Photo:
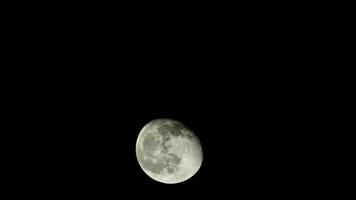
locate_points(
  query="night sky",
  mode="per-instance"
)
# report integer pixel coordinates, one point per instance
(84, 132)
(83, 105)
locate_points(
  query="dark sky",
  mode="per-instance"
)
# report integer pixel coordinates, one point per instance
(84, 130)
(83, 105)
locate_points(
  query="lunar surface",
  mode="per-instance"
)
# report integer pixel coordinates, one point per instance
(168, 151)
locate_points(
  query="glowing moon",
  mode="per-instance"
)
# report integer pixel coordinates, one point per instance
(168, 151)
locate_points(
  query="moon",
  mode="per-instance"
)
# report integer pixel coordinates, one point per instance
(168, 151)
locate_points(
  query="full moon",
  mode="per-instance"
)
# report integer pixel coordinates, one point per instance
(168, 151)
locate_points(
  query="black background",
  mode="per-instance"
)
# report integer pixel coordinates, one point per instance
(81, 131)
(94, 81)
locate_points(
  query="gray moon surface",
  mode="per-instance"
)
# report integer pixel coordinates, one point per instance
(168, 151)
